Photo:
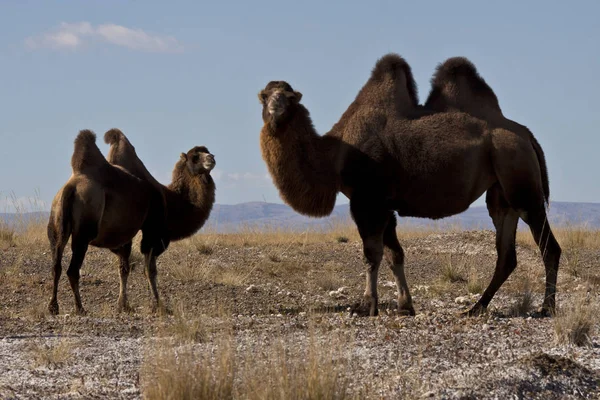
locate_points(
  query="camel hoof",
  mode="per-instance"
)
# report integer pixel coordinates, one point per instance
(81, 312)
(407, 311)
(53, 308)
(365, 308)
(373, 312)
(124, 308)
(475, 311)
(161, 309)
(544, 312)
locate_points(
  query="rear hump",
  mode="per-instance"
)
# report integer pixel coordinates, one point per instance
(86, 154)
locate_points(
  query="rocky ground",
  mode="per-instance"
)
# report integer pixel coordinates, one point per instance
(267, 303)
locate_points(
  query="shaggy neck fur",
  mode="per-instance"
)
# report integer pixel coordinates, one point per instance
(301, 163)
(189, 201)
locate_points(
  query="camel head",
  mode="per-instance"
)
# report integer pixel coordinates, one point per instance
(278, 100)
(198, 160)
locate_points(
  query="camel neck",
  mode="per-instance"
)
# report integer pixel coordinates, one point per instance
(302, 164)
(189, 203)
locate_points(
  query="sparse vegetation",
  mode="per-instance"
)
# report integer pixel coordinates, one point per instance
(453, 270)
(7, 236)
(574, 322)
(262, 307)
(475, 284)
(203, 246)
(51, 355)
(219, 372)
(185, 327)
(342, 239)
(330, 278)
(173, 374)
(571, 237)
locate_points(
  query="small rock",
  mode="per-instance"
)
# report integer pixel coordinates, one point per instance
(251, 288)
(485, 327)
(462, 300)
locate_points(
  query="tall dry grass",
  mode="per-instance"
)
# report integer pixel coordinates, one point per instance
(28, 226)
(576, 321)
(270, 372)
(570, 237)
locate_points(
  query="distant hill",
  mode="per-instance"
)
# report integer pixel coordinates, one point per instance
(257, 214)
(227, 218)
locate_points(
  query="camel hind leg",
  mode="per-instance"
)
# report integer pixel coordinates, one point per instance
(522, 185)
(505, 221)
(57, 246)
(84, 233)
(550, 251)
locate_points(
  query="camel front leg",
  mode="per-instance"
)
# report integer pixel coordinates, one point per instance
(371, 222)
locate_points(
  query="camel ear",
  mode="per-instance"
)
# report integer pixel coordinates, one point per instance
(298, 96)
(262, 97)
(183, 157)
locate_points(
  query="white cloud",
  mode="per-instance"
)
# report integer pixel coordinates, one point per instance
(72, 36)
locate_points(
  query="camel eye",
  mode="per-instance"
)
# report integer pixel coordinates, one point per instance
(195, 158)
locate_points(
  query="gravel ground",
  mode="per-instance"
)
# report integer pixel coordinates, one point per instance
(298, 293)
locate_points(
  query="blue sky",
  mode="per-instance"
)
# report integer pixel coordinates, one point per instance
(177, 74)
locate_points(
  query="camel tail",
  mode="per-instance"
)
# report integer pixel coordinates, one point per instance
(60, 227)
(86, 153)
(543, 168)
(113, 136)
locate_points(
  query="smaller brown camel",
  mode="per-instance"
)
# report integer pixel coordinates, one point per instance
(104, 206)
(191, 194)
(389, 154)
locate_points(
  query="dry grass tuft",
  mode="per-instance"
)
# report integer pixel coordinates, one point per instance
(570, 237)
(202, 245)
(475, 284)
(51, 355)
(185, 327)
(188, 270)
(316, 374)
(342, 239)
(575, 322)
(7, 236)
(217, 372)
(523, 306)
(329, 276)
(525, 299)
(185, 374)
(453, 270)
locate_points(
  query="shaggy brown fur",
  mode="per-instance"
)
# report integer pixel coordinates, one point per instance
(457, 86)
(191, 194)
(104, 206)
(386, 154)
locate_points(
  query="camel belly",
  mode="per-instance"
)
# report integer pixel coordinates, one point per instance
(437, 200)
(118, 225)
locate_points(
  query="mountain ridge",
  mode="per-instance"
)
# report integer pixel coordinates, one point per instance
(257, 215)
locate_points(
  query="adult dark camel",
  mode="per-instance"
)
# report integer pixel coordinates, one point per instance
(389, 154)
